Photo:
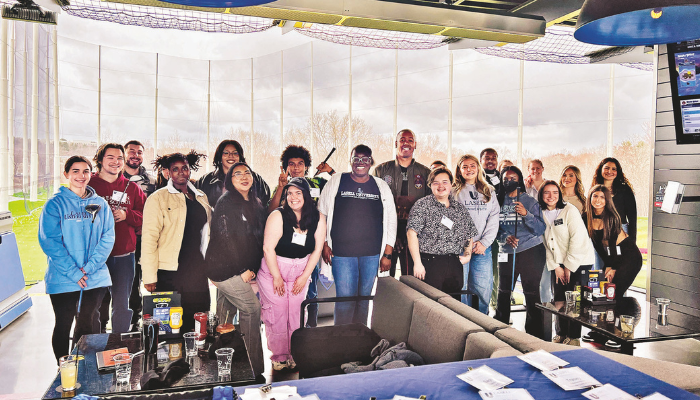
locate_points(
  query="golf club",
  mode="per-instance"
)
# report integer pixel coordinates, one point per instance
(134, 178)
(326, 160)
(512, 276)
(93, 209)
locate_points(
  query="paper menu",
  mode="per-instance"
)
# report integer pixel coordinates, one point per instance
(543, 360)
(571, 378)
(656, 396)
(506, 394)
(277, 392)
(607, 392)
(485, 378)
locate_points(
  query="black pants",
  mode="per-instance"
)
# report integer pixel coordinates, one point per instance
(529, 265)
(401, 252)
(444, 272)
(65, 308)
(563, 326)
(136, 300)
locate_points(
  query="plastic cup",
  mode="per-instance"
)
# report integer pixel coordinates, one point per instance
(626, 323)
(223, 360)
(69, 372)
(122, 365)
(570, 296)
(190, 344)
(663, 305)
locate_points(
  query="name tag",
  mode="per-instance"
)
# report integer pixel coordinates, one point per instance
(558, 222)
(502, 257)
(447, 222)
(243, 218)
(119, 197)
(315, 192)
(495, 181)
(299, 238)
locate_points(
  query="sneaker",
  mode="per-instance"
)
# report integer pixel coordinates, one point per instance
(573, 342)
(291, 364)
(279, 365)
(559, 339)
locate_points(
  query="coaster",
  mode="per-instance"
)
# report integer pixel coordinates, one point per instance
(59, 389)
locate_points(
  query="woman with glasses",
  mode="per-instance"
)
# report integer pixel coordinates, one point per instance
(472, 190)
(572, 187)
(569, 253)
(228, 153)
(234, 254)
(440, 233)
(361, 228)
(175, 236)
(524, 248)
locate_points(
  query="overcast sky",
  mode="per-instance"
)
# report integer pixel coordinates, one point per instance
(566, 106)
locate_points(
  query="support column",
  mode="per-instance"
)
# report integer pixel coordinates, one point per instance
(313, 134)
(208, 163)
(350, 138)
(251, 153)
(34, 171)
(11, 123)
(281, 101)
(396, 102)
(25, 118)
(519, 155)
(56, 133)
(47, 136)
(99, 95)
(155, 124)
(449, 117)
(4, 181)
(611, 114)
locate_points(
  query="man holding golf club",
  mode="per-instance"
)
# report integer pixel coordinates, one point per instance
(76, 231)
(126, 201)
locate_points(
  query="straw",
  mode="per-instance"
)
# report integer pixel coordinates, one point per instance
(226, 321)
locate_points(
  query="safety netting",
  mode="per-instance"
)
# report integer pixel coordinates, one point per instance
(559, 46)
(373, 37)
(168, 18)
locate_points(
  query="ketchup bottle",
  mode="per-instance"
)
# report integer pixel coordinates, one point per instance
(200, 326)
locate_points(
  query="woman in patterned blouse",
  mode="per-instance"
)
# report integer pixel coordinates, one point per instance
(440, 233)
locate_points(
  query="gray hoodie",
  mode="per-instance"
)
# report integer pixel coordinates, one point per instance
(484, 214)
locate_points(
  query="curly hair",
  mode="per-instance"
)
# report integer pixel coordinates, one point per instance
(620, 179)
(293, 151)
(219, 153)
(192, 159)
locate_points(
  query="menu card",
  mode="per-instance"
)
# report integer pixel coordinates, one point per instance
(543, 360)
(656, 396)
(485, 378)
(506, 394)
(607, 392)
(571, 378)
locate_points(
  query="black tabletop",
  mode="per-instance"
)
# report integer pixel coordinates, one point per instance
(203, 371)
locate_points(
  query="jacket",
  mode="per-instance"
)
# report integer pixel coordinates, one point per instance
(132, 202)
(147, 184)
(163, 228)
(567, 240)
(531, 227)
(626, 206)
(390, 172)
(326, 206)
(212, 184)
(236, 237)
(71, 240)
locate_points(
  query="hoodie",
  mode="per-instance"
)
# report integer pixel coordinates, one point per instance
(132, 202)
(72, 241)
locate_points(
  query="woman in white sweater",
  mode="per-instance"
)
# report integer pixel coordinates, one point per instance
(569, 252)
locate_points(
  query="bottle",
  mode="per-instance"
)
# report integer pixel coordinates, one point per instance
(200, 328)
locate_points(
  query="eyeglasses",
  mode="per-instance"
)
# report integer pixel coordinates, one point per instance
(241, 174)
(361, 160)
(230, 153)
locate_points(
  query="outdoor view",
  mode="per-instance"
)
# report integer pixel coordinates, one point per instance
(322, 95)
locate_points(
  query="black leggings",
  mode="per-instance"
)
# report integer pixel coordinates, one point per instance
(444, 272)
(529, 265)
(65, 307)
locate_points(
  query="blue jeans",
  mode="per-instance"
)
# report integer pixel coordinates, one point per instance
(478, 278)
(312, 293)
(121, 270)
(354, 276)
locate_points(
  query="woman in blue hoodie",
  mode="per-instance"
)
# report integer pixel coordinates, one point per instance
(520, 235)
(77, 244)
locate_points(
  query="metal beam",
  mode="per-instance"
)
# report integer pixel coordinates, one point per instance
(34, 170)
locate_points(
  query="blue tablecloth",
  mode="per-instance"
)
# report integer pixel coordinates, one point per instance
(440, 381)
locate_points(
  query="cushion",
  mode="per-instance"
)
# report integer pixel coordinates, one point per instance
(483, 345)
(437, 333)
(325, 348)
(422, 287)
(393, 309)
(505, 352)
(686, 377)
(489, 324)
(520, 340)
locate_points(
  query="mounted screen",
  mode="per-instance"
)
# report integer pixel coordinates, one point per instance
(684, 69)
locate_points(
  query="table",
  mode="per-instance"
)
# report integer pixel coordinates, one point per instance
(203, 371)
(646, 326)
(439, 381)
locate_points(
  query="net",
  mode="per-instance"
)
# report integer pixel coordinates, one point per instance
(364, 37)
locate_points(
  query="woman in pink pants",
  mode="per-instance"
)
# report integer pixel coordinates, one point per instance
(294, 237)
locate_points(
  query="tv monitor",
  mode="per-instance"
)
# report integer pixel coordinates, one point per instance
(684, 71)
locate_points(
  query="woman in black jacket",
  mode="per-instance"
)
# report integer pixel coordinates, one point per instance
(609, 173)
(234, 255)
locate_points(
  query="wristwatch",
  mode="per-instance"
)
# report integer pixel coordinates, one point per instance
(387, 256)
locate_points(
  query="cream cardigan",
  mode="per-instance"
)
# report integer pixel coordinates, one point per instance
(567, 242)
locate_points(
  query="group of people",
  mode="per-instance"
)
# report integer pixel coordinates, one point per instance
(477, 229)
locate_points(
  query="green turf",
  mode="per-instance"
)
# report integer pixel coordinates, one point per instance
(26, 228)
